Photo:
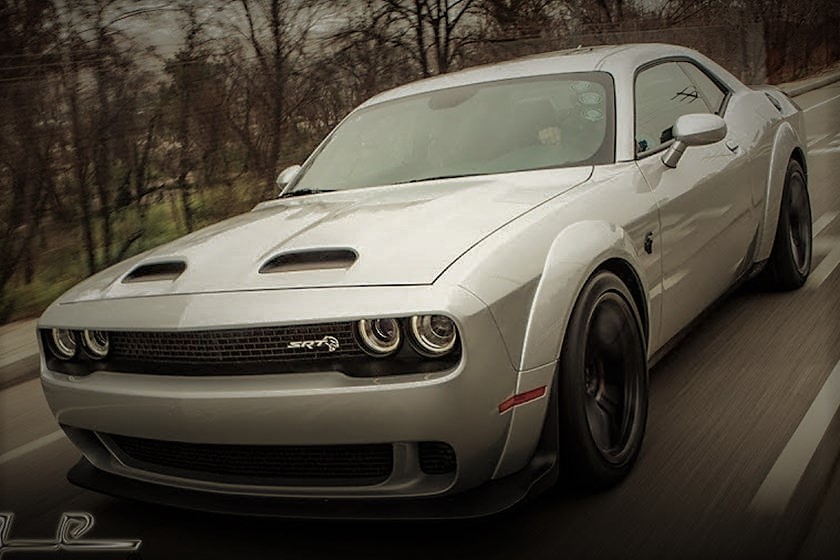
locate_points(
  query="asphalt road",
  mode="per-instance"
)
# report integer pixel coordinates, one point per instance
(737, 461)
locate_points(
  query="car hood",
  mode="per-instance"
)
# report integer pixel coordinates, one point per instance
(398, 235)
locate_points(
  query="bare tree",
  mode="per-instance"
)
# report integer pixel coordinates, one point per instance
(436, 31)
(519, 18)
(677, 12)
(27, 132)
(366, 54)
(185, 70)
(275, 37)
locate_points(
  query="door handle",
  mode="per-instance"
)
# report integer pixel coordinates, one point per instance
(733, 146)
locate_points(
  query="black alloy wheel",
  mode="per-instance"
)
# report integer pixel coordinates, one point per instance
(799, 224)
(603, 384)
(790, 259)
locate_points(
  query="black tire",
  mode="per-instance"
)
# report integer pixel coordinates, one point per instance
(790, 259)
(602, 384)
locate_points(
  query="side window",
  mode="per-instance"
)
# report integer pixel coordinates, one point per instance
(663, 93)
(712, 93)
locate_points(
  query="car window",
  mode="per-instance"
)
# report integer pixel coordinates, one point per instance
(712, 93)
(496, 127)
(662, 94)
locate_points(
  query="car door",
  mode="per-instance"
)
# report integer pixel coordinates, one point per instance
(704, 203)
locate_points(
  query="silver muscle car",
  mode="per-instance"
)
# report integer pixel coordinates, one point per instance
(451, 305)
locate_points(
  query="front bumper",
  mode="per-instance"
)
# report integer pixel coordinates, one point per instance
(458, 407)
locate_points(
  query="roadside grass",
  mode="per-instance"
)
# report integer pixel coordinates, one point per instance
(60, 259)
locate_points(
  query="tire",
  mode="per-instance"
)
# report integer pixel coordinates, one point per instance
(602, 385)
(790, 259)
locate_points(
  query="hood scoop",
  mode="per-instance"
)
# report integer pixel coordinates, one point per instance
(321, 259)
(155, 271)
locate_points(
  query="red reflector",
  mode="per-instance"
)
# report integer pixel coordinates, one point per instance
(521, 398)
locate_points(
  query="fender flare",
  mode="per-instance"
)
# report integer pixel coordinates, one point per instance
(785, 144)
(575, 254)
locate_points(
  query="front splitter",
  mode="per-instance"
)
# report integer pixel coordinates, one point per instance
(488, 499)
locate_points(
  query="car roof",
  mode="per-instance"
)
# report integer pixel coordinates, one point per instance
(610, 58)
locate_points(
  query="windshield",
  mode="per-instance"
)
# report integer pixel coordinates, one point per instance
(497, 127)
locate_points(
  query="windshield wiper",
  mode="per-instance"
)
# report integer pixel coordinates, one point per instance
(303, 192)
(438, 177)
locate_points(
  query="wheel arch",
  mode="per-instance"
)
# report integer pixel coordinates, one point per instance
(786, 146)
(610, 250)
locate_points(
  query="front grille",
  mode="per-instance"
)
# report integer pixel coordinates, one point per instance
(237, 346)
(436, 457)
(274, 465)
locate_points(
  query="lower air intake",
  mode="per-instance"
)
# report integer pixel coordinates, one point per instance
(271, 465)
(436, 457)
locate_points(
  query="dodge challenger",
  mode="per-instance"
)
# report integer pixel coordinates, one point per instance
(452, 304)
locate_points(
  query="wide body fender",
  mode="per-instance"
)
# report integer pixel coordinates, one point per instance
(576, 254)
(785, 142)
(579, 250)
(530, 274)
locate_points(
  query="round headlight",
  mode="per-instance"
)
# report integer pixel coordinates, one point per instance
(64, 343)
(434, 335)
(380, 336)
(96, 343)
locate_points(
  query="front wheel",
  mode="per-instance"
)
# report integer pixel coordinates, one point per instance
(790, 259)
(603, 384)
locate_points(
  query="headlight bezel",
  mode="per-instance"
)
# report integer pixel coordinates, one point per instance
(423, 336)
(374, 341)
(95, 349)
(66, 347)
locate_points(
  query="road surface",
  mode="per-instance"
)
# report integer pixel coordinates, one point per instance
(740, 458)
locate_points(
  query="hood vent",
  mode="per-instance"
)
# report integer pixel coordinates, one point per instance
(322, 259)
(156, 271)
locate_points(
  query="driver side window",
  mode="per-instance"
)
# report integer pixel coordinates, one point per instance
(662, 94)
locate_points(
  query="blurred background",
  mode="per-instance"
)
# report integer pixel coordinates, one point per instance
(126, 124)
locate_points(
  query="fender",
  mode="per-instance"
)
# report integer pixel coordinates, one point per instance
(784, 143)
(530, 272)
(577, 252)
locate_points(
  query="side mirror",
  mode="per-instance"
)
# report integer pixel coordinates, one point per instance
(694, 130)
(287, 176)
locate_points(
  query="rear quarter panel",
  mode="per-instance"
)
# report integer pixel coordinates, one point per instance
(785, 133)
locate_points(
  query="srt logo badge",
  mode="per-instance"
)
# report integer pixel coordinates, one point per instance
(328, 342)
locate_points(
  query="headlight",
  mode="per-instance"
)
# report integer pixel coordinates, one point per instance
(380, 337)
(434, 335)
(96, 343)
(64, 343)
